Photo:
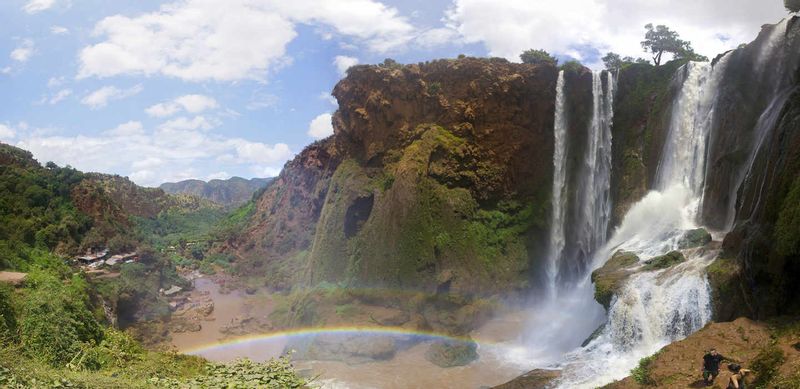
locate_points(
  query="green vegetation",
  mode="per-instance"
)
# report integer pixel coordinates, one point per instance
(538, 57)
(614, 62)
(766, 365)
(641, 373)
(787, 228)
(572, 66)
(37, 215)
(669, 259)
(660, 39)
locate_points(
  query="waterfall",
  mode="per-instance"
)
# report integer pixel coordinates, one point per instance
(656, 308)
(553, 328)
(594, 186)
(777, 80)
(559, 186)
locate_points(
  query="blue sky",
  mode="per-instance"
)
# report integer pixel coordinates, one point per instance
(167, 90)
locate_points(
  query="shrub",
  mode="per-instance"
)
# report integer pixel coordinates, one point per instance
(641, 373)
(56, 318)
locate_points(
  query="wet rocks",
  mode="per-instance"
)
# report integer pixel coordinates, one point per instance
(450, 353)
(698, 237)
(610, 278)
(350, 349)
(667, 260)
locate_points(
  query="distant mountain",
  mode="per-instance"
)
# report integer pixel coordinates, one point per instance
(232, 192)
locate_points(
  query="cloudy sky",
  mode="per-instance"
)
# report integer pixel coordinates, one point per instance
(167, 90)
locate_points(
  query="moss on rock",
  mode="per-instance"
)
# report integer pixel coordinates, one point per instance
(609, 278)
(667, 260)
(694, 238)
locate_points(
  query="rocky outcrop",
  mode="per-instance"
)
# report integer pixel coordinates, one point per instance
(610, 278)
(436, 168)
(351, 349)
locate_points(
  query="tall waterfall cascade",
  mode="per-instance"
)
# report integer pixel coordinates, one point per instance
(557, 218)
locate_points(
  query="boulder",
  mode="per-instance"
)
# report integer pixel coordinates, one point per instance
(609, 278)
(350, 349)
(669, 259)
(450, 353)
(698, 237)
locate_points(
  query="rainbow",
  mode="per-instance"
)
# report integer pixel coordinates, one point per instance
(302, 332)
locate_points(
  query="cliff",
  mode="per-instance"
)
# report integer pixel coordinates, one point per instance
(437, 177)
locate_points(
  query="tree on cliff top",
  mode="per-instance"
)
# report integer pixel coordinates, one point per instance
(792, 5)
(613, 61)
(537, 57)
(660, 39)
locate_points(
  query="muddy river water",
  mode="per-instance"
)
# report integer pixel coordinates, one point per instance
(407, 369)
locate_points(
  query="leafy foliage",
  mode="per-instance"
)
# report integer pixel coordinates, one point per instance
(36, 211)
(276, 373)
(538, 57)
(56, 317)
(660, 39)
(613, 61)
(641, 373)
(766, 364)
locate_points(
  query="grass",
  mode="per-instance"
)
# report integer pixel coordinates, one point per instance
(641, 373)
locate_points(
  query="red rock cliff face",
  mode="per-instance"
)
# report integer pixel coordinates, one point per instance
(424, 159)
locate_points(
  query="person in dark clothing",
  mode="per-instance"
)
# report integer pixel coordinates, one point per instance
(711, 362)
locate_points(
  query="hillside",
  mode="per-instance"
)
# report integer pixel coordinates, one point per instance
(232, 192)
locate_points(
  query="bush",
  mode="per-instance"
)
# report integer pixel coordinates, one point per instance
(538, 57)
(56, 318)
(276, 373)
(641, 373)
(572, 66)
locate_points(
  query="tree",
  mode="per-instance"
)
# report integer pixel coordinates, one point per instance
(613, 61)
(660, 39)
(538, 57)
(792, 5)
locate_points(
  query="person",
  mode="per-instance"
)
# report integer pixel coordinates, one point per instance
(710, 369)
(737, 380)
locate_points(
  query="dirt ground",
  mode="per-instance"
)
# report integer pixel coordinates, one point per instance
(679, 364)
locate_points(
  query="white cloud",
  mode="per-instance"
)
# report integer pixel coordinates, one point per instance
(329, 98)
(6, 132)
(198, 40)
(321, 126)
(35, 6)
(23, 52)
(570, 26)
(343, 62)
(59, 30)
(101, 97)
(261, 100)
(217, 176)
(54, 82)
(182, 123)
(436, 37)
(130, 128)
(161, 154)
(60, 95)
(188, 103)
